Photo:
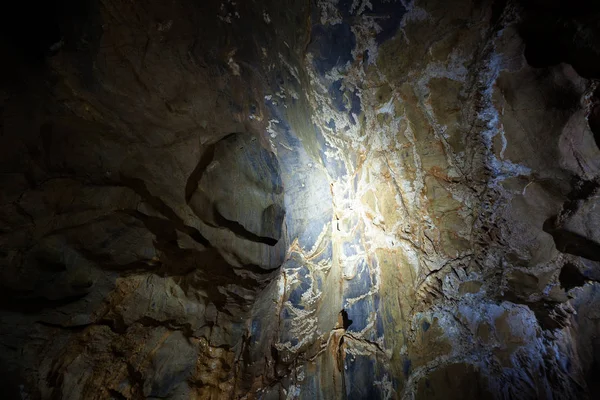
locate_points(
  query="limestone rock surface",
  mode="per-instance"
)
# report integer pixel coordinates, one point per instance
(334, 199)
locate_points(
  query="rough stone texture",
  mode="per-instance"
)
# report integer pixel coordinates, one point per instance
(316, 200)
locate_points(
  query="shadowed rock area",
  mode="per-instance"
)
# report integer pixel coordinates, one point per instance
(324, 199)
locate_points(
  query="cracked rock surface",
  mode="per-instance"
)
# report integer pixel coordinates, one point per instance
(327, 199)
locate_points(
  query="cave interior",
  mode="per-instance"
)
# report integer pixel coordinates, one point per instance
(284, 199)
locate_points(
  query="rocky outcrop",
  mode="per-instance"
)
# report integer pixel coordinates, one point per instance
(327, 199)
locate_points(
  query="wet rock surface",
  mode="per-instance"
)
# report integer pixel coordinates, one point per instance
(279, 200)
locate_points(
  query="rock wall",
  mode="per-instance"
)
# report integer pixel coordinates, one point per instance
(314, 200)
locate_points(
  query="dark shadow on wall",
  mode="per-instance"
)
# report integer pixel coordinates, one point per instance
(37, 30)
(10, 383)
(558, 31)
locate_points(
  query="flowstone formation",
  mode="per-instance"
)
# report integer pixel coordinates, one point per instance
(366, 199)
